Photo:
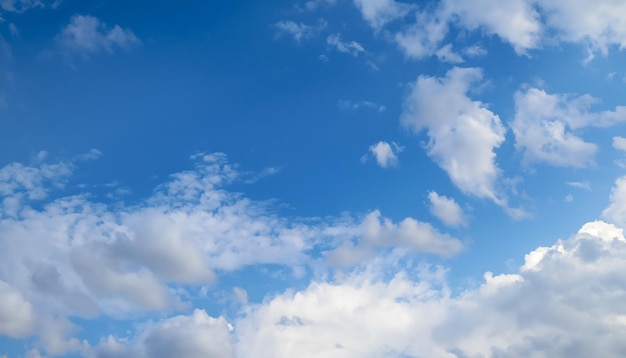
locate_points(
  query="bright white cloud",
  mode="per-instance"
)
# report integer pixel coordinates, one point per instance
(447, 55)
(544, 125)
(579, 184)
(564, 301)
(86, 35)
(353, 48)
(446, 209)
(463, 133)
(619, 143)
(385, 153)
(514, 21)
(298, 31)
(599, 24)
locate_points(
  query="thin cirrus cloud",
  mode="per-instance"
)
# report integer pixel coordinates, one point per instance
(298, 31)
(86, 35)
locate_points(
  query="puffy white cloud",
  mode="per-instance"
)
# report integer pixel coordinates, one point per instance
(380, 12)
(195, 336)
(353, 48)
(385, 153)
(597, 23)
(515, 21)
(422, 38)
(16, 314)
(447, 55)
(462, 133)
(564, 301)
(298, 31)
(86, 35)
(544, 124)
(376, 233)
(619, 143)
(446, 209)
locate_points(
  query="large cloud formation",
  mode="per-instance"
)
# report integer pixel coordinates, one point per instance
(73, 257)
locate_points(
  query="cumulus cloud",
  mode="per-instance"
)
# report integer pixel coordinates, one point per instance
(86, 35)
(298, 31)
(353, 48)
(544, 127)
(619, 143)
(423, 37)
(197, 335)
(71, 256)
(599, 24)
(616, 211)
(386, 154)
(462, 133)
(446, 209)
(376, 233)
(515, 22)
(564, 301)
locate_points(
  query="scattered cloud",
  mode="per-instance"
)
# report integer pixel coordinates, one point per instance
(86, 35)
(347, 105)
(579, 184)
(386, 154)
(380, 12)
(569, 198)
(446, 209)
(70, 256)
(462, 133)
(619, 143)
(616, 211)
(544, 127)
(447, 55)
(353, 48)
(565, 300)
(299, 31)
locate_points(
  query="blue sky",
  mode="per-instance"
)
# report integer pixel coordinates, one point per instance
(322, 178)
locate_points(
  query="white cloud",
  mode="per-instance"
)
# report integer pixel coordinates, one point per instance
(380, 12)
(463, 133)
(474, 51)
(616, 211)
(544, 124)
(599, 24)
(347, 105)
(514, 21)
(569, 198)
(86, 35)
(386, 154)
(422, 39)
(299, 31)
(446, 209)
(376, 233)
(196, 335)
(313, 5)
(619, 143)
(353, 48)
(70, 256)
(579, 184)
(447, 55)
(565, 301)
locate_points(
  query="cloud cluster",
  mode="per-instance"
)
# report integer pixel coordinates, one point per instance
(565, 300)
(525, 25)
(71, 256)
(544, 126)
